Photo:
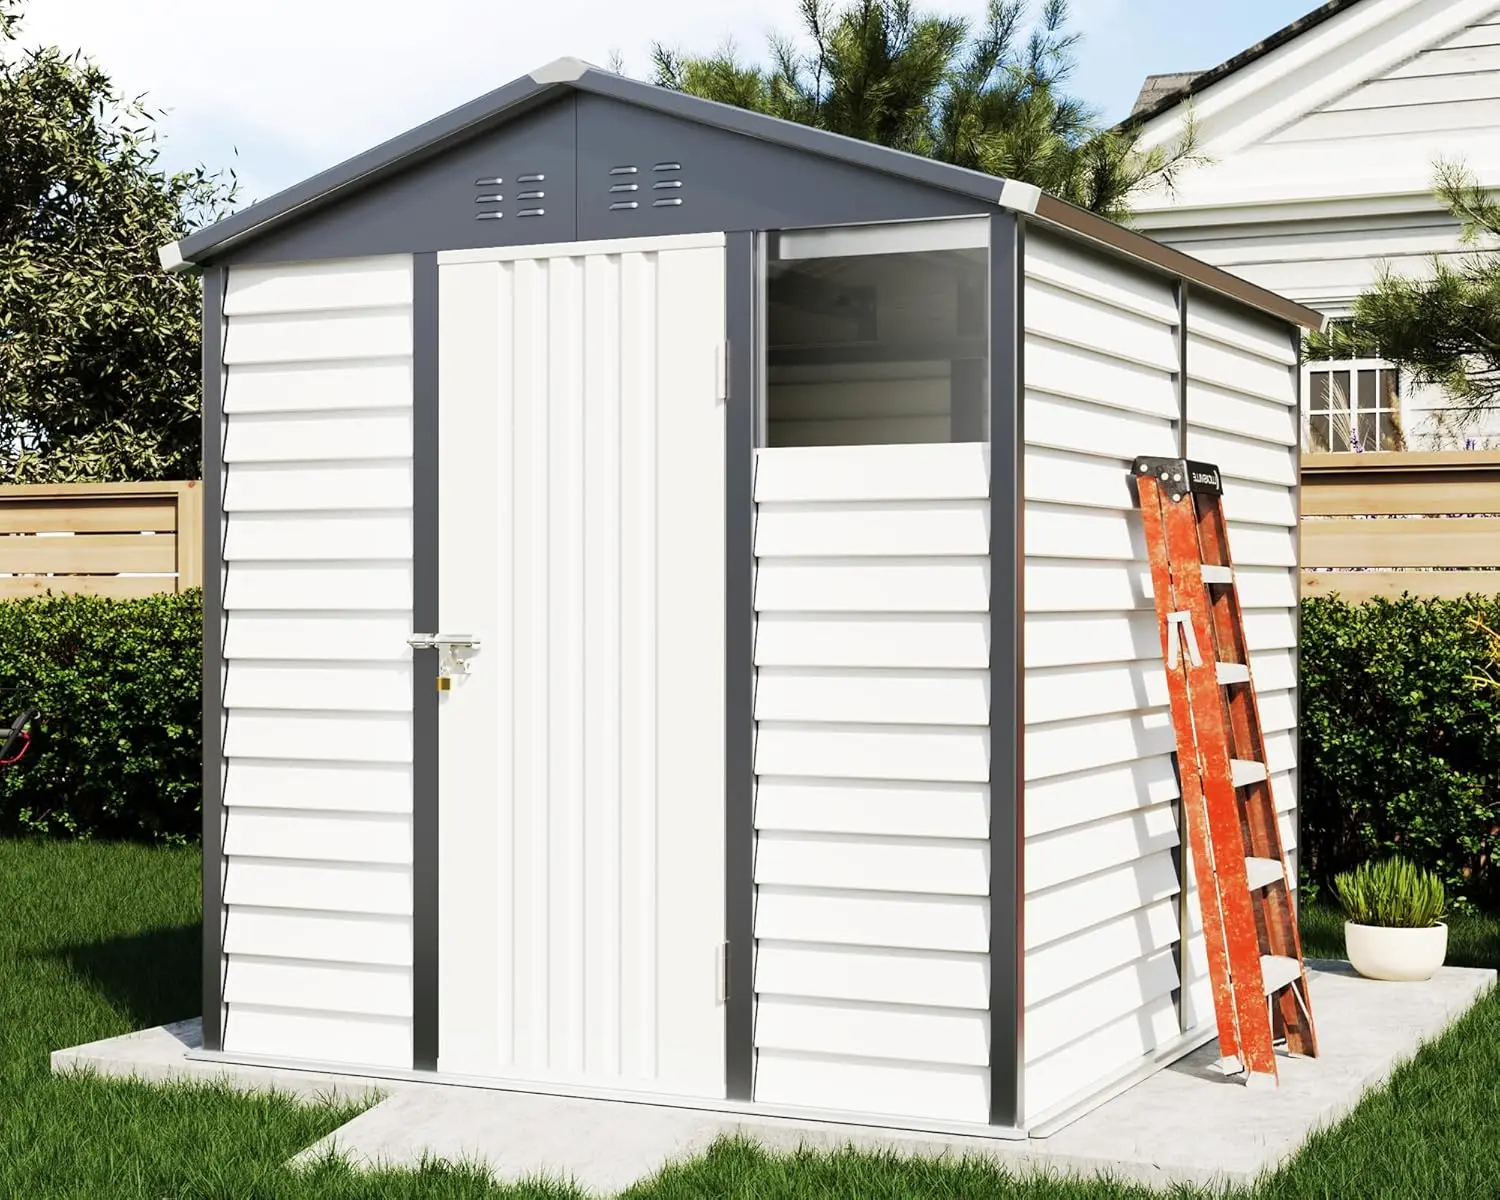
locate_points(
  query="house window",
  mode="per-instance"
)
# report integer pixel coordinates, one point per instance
(1352, 405)
(1351, 396)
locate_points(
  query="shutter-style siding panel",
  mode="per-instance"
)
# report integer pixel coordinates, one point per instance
(872, 763)
(1101, 830)
(1252, 453)
(317, 682)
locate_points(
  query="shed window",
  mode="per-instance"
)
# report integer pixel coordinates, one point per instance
(878, 334)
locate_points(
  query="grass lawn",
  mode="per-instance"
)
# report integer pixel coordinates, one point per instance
(97, 940)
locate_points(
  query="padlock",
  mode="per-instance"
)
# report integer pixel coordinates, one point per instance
(444, 683)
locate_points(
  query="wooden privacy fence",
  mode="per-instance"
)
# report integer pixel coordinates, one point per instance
(1380, 524)
(100, 539)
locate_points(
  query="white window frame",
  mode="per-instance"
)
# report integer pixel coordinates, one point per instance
(1352, 367)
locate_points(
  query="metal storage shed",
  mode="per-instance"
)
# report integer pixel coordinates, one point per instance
(812, 753)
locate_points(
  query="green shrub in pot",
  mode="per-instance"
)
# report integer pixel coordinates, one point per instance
(1394, 928)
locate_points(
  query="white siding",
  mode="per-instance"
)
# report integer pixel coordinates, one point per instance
(1250, 447)
(581, 841)
(872, 764)
(1101, 831)
(317, 685)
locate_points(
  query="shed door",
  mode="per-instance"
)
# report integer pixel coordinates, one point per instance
(581, 836)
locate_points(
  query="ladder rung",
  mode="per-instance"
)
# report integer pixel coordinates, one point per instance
(1278, 970)
(1242, 771)
(1262, 871)
(1233, 672)
(1212, 574)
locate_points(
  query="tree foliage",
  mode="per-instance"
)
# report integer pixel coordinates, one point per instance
(99, 347)
(991, 99)
(1442, 328)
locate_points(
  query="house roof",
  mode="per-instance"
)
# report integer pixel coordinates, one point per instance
(570, 74)
(1158, 96)
(1158, 86)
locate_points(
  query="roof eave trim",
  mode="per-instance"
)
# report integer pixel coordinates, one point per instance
(1129, 243)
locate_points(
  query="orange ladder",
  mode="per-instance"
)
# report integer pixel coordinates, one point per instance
(1255, 962)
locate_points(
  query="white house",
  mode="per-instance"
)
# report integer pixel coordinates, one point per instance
(1321, 143)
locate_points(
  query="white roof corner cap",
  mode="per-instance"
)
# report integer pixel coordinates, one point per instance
(561, 70)
(171, 258)
(1021, 197)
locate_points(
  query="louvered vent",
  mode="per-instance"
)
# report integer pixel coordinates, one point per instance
(530, 195)
(487, 194)
(661, 189)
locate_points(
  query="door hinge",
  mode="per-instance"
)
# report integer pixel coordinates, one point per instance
(721, 371)
(721, 973)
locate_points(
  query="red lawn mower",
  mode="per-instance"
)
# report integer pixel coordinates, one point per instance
(15, 740)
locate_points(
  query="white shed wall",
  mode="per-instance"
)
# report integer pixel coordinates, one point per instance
(317, 684)
(872, 764)
(1101, 885)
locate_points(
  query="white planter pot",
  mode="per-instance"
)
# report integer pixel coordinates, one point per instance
(1377, 952)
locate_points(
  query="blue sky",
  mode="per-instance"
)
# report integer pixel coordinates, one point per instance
(280, 89)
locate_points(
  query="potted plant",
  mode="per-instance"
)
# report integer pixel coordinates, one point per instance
(1394, 928)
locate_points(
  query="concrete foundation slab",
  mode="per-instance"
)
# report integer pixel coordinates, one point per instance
(1365, 1028)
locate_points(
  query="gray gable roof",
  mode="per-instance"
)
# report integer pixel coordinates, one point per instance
(530, 91)
(570, 75)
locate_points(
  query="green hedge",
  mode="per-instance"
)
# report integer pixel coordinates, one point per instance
(116, 752)
(1400, 747)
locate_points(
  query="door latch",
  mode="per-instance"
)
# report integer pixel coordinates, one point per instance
(453, 651)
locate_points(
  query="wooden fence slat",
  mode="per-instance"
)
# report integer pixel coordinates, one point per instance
(89, 516)
(1391, 495)
(117, 587)
(88, 554)
(1362, 585)
(1428, 542)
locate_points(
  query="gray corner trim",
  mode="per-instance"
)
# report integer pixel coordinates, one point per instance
(521, 95)
(1007, 677)
(424, 615)
(742, 285)
(213, 659)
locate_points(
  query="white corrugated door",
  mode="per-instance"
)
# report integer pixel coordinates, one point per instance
(582, 782)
